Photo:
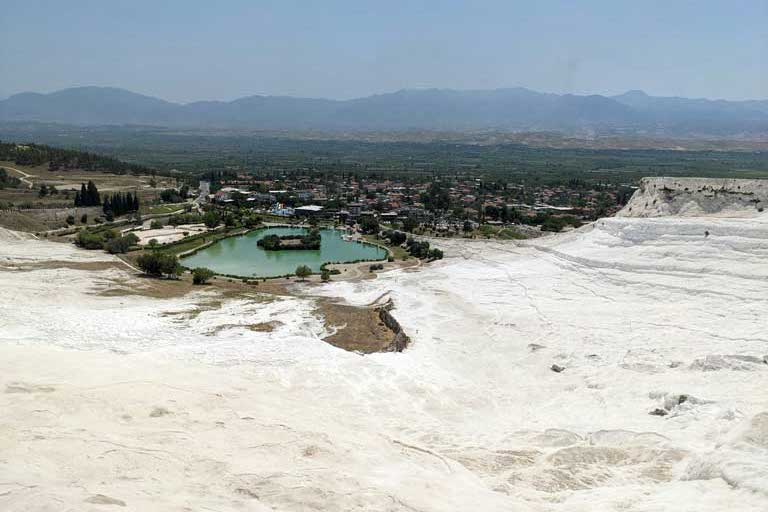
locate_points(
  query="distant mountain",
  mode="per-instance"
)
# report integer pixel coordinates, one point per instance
(514, 109)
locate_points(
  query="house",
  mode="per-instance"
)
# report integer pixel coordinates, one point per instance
(311, 210)
(355, 209)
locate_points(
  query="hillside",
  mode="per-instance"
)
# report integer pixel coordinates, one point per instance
(695, 197)
(513, 109)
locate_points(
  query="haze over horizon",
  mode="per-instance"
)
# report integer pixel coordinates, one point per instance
(191, 51)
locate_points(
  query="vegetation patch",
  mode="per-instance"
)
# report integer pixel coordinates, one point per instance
(310, 241)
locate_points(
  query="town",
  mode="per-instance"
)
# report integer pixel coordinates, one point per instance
(464, 205)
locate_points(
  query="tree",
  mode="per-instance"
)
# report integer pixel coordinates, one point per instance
(121, 244)
(303, 272)
(93, 197)
(70, 219)
(409, 224)
(121, 203)
(396, 237)
(201, 275)
(155, 224)
(43, 190)
(88, 195)
(159, 264)
(369, 225)
(169, 195)
(436, 197)
(211, 219)
(325, 275)
(84, 219)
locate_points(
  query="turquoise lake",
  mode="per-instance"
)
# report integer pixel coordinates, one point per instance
(240, 256)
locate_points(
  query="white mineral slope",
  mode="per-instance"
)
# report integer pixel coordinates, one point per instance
(177, 404)
(697, 197)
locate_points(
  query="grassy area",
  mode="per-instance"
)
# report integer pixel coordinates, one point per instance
(69, 181)
(162, 209)
(397, 252)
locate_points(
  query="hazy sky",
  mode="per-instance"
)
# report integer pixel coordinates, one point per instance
(203, 49)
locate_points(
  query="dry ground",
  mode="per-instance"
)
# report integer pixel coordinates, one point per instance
(66, 182)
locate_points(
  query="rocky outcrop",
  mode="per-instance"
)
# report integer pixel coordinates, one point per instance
(401, 340)
(695, 197)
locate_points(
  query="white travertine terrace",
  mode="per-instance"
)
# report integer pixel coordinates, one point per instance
(123, 400)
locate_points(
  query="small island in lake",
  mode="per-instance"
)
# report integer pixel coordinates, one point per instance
(310, 241)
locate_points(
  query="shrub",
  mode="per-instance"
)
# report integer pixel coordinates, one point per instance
(201, 275)
(303, 271)
(84, 219)
(435, 254)
(70, 219)
(120, 245)
(325, 276)
(155, 224)
(88, 240)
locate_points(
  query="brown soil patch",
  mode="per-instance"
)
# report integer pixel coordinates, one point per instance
(18, 221)
(265, 326)
(71, 265)
(359, 329)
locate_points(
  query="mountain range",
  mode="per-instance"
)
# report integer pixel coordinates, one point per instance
(514, 109)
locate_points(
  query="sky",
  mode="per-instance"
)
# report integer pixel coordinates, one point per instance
(221, 50)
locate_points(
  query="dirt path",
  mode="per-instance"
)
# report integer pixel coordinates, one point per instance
(25, 176)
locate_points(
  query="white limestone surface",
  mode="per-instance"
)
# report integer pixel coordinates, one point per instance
(167, 404)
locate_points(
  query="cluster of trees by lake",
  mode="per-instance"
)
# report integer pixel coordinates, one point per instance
(160, 264)
(310, 241)
(418, 249)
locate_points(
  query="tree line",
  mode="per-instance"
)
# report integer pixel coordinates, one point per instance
(121, 203)
(65, 159)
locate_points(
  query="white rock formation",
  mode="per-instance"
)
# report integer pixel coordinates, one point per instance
(167, 406)
(695, 197)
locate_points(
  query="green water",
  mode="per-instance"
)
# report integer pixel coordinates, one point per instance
(240, 256)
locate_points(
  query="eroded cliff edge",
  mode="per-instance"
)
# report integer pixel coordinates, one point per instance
(695, 197)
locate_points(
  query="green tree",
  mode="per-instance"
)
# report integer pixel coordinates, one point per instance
(369, 225)
(159, 264)
(409, 224)
(211, 219)
(303, 272)
(325, 275)
(201, 275)
(121, 244)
